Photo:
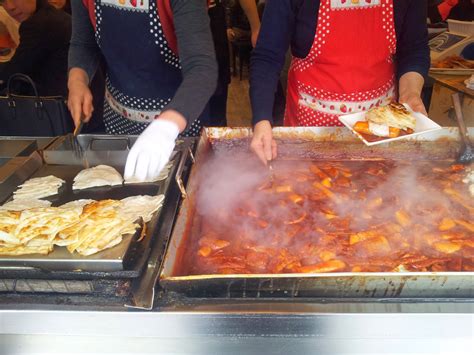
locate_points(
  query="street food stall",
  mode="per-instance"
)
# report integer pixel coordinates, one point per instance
(340, 248)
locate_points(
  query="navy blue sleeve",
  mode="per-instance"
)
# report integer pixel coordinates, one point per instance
(268, 57)
(84, 52)
(413, 53)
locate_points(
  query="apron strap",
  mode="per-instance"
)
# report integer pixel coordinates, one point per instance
(166, 17)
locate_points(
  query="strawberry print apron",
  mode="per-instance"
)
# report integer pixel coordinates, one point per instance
(350, 65)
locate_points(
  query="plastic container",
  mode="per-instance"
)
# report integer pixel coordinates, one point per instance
(461, 27)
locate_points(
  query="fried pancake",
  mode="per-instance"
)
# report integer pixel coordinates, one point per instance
(101, 175)
(394, 115)
(135, 207)
(37, 188)
(24, 204)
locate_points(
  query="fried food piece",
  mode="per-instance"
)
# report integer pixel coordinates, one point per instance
(284, 188)
(447, 247)
(403, 218)
(363, 127)
(376, 245)
(297, 220)
(204, 251)
(343, 181)
(469, 226)
(295, 198)
(327, 182)
(214, 244)
(362, 236)
(326, 266)
(446, 224)
(327, 255)
(324, 189)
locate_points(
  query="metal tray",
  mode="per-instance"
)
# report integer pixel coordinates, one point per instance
(60, 161)
(10, 148)
(315, 143)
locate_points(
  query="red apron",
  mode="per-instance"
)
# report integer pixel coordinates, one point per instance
(349, 67)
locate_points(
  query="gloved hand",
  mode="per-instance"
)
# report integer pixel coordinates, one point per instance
(152, 151)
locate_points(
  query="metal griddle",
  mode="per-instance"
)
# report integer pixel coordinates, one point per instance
(60, 161)
(317, 144)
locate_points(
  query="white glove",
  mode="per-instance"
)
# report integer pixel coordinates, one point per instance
(152, 151)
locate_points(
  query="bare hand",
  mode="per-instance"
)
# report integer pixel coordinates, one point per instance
(263, 143)
(415, 102)
(254, 37)
(230, 34)
(79, 101)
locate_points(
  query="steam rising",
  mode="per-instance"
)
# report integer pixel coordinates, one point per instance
(319, 216)
(225, 179)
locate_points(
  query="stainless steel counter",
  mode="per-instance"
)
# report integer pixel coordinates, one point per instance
(277, 328)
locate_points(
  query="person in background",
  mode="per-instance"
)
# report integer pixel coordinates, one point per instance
(442, 10)
(42, 53)
(243, 20)
(348, 56)
(64, 5)
(150, 89)
(9, 36)
(220, 27)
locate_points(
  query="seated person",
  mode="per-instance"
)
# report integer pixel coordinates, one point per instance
(64, 5)
(9, 37)
(42, 53)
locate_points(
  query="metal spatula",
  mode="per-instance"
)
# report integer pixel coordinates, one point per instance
(466, 154)
(76, 146)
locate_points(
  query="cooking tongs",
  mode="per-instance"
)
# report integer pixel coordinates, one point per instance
(76, 146)
(466, 155)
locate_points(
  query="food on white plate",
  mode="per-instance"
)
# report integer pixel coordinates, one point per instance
(389, 121)
(100, 175)
(39, 187)
(24, 204)
(453, 62)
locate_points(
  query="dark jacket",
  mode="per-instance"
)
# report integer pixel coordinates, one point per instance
(43, 50)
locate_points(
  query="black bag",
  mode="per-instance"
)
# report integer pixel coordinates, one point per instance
(33, 115)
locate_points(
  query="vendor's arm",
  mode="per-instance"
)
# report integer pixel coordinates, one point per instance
(413, 54)
(268, 57)
(266, 64)
(197, 56)
(84, 57)
(250, 9)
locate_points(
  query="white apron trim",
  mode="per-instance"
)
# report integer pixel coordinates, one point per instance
(130, 113)
(344, 107)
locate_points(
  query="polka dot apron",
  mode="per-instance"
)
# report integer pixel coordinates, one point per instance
(349, 67)
(143, 73)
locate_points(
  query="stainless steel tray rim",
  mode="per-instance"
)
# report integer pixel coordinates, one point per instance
(319, 275)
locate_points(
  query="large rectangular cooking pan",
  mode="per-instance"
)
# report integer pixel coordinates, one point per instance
(316, 143)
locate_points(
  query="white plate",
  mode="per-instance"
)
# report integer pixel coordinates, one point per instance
(423, 125)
